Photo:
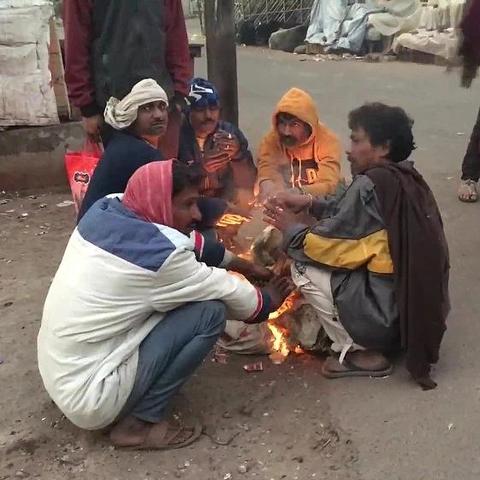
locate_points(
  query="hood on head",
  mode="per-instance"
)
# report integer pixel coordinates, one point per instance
(300, 104)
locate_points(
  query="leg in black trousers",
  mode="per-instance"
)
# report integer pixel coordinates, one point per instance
(471, 166)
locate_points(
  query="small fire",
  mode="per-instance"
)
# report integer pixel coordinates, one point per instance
(281, 348)
(280, 345)
(232, 219)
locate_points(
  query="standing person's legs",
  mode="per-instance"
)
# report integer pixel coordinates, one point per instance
(168, 356)
(471, 167)
(168, 144)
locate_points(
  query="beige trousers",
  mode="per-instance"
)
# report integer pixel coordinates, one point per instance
(314, 285)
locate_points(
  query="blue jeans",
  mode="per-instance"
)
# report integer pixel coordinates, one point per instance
(171, 352)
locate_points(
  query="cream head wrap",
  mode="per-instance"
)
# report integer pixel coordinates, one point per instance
(120, 114)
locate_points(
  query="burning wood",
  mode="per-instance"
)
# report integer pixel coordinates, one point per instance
(229, 219)
(281, 347)
(266, 248)
(292, 328)
(228, 227)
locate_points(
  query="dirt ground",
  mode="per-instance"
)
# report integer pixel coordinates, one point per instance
(301, 426)
(258, 425)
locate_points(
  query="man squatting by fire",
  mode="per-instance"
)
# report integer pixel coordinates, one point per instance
(221, 149)
(137, 303)
(299, 152)
(372, 259)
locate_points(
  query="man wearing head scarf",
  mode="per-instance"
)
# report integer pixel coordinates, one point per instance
(218, 146)
(299, 152)
(139, 120)
(110, 45)
(132, 310)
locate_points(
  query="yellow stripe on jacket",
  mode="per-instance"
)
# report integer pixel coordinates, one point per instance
(371, 250)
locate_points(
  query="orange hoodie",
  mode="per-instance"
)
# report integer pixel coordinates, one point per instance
(313, 166)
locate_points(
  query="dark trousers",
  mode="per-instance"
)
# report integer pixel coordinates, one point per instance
(471, 161)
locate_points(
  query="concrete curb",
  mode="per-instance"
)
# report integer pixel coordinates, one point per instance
(33, 157)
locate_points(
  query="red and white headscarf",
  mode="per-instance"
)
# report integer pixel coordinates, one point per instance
(149, 193)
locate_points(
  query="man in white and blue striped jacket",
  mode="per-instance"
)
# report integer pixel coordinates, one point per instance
(133, 310)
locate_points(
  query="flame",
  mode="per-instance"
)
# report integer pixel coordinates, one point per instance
(246, 255)
(279, 342)
(280, 345)
(231, 219)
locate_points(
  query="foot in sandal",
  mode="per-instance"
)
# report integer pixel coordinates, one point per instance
(357, 364)
(467, 191)
(167, 434)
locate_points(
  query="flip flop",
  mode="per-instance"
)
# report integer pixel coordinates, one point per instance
(467, 192)
(349, 369)
(164, 436)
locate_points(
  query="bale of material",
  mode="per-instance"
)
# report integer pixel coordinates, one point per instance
(267, 247)
(288, 39)
(26, 93)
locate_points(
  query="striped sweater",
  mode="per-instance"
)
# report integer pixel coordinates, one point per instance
(116, 272)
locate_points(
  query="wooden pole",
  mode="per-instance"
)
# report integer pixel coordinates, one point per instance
(222, 54)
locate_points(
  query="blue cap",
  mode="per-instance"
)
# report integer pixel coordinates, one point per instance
(203, 94)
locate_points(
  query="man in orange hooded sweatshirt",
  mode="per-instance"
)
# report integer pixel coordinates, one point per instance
(299, 152)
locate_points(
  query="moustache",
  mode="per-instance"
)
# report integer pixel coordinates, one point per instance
(287, 139)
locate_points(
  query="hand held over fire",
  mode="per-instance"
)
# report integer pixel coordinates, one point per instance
(281, 218)
(279, 288)
(289, 200)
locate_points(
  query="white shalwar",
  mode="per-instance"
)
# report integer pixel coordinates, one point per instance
(314, 284)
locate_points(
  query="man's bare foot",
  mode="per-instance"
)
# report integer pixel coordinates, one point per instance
(134, 433)
(361, 363)
(129, 431)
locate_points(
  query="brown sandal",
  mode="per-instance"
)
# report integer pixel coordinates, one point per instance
(169, 436)
(332, 368)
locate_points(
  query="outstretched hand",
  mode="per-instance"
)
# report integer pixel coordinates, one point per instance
(250, 270)
(289, 200)
(279, 288)
(281, 218)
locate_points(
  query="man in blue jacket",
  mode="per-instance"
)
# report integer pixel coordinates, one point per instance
(218, 146)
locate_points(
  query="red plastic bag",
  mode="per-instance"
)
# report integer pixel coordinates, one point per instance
(80, 167)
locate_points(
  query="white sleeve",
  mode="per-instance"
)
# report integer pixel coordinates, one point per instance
(183, 279)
